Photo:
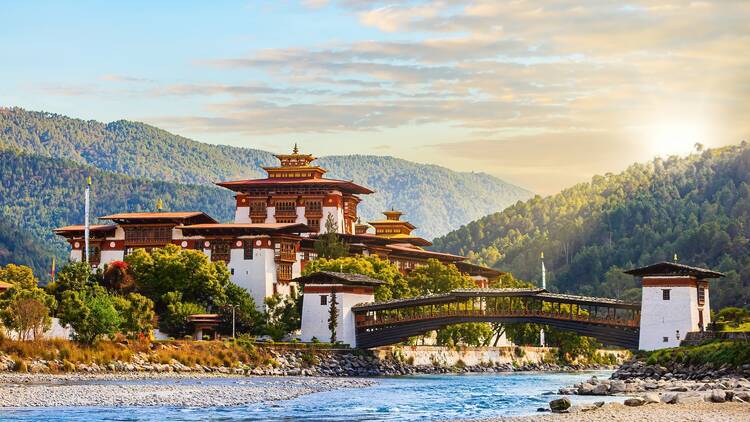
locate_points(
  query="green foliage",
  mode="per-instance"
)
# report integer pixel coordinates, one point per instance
(137, 315)
(435, 277)
(472, 333)
(282, 316)
(697, 207)
(91, 313)
(329, 244)
(733, 316)
(73, 276)
(174, 320)
(20, 276)
(717, 353)
(372, 266)
(173, 269)
(247, 318)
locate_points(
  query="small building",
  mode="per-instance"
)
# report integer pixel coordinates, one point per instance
(675, 301)
(348, 290)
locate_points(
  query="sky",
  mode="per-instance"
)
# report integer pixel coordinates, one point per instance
(543, 94)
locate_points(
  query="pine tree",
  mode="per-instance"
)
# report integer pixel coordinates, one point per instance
(333, 315)
(329, 244)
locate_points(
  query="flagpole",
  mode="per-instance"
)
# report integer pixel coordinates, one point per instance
(544, 286)
(86, 199)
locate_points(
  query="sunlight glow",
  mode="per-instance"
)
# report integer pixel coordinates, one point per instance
(675, 137)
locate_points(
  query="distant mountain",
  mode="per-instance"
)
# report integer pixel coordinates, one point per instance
(697, 207)
(38, 194)
(434, 198)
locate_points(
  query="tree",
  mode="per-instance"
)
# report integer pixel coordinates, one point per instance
(73, 276)
(435, 277)
(27, 311)
(372, 266)
(282, 315)
(247, 318)
(329, 245)
(136, 315)
(91, 313)
(733, 315)
(19, 276)
(174, 321)
(333, 315)
(117, 279)
(173, 269)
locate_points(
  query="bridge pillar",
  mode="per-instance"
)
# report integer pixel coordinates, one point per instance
(674, 302)
(319, 290)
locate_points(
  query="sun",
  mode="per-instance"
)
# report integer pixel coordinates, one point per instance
(675, 137)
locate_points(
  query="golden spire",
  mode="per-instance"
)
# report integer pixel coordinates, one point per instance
(159, 204)
(295, 151)
(88, 180)
(541, 255)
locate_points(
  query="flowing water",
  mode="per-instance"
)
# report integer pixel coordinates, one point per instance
(426, 397)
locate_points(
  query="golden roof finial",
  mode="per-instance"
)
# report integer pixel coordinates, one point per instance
(295, 150)
(159, 204)
(675, 257)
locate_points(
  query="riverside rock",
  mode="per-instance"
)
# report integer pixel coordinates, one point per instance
(634, 401)
(560, 405)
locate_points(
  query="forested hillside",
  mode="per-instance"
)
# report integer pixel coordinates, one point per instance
(697, 207)
(38, 194)
(434, 198)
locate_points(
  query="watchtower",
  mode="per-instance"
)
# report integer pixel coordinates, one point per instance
(320, 289)
(674, 301)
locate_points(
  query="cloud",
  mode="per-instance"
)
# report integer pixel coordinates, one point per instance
(124, 79)
(510, 78)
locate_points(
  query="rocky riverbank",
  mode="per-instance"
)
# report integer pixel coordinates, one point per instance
(148, 389)
(293, 362)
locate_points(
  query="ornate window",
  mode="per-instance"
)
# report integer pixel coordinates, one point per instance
(247, 246)
(314, 224)
(148, 235)
(220, 250)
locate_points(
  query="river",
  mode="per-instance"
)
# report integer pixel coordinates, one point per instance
(426, 397)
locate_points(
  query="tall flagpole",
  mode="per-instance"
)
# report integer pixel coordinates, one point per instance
(544, 286)
(86, 199)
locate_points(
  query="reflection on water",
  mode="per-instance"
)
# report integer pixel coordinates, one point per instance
(429, 397)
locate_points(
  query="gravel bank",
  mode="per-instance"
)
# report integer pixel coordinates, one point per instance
(139, 390)
(725, 412)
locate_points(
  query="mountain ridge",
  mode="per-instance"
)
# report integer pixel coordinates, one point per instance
(435, 198)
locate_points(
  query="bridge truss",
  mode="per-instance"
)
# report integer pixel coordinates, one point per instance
(610, 321)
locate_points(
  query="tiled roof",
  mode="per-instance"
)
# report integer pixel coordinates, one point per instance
(338, 277)
(342, 184)
(673, 269)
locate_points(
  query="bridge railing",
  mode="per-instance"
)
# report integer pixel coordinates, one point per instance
(365, 321)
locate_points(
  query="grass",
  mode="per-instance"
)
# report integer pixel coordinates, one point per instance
(733, 353)
(745, 326)
(189, 353)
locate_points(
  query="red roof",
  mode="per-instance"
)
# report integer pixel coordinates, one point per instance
(69, 231)
(344, 185)
(197, 216)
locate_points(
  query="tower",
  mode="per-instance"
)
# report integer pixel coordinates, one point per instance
(674, 301)
(319, 289)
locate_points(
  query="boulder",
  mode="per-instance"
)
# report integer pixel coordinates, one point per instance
(617, 387)
(585, 389)
(600, 390)
(560, 405)
(651, 398)
(669, 398)
(634, 402)
(718, 396)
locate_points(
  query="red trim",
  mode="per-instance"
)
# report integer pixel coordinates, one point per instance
(670, 282)
(360, 290)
